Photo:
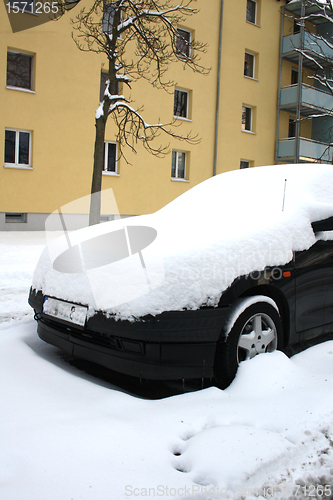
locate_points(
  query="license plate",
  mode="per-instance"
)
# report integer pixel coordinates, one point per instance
(73, 313)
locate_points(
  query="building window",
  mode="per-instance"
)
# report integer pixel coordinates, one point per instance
(249, 65)
(244, 164)
(110, 157)
(294, 76)
(183, 42)
(19, 70)
(292, 128)
(180, 105)
(251, 11)
(17, 148)
(178, 169)
(297, 27)
(104, 79)
(247, 118)
(109, 12)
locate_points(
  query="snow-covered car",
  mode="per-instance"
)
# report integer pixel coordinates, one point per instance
(239, 265)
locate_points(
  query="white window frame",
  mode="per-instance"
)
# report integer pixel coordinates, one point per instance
(251, 118)
(22, 89)
(253, 66)
(190, 42)
(255, 12)
(23, 166)
(176, 178)
(187, 104)
(110, 172)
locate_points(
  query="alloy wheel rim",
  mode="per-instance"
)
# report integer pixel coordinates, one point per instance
(258, 335)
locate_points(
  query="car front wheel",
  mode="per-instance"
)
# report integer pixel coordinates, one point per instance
(256, 330)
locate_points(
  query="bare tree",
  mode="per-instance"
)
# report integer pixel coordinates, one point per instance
(149, 28)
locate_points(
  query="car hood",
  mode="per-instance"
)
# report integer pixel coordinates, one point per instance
(186, 254)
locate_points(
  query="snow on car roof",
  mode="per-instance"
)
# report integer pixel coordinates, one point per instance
(230, 225)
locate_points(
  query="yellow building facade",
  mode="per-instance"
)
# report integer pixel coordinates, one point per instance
(51, 124)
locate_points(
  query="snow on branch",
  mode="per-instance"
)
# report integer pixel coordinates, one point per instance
(132, 128)
(150, 27)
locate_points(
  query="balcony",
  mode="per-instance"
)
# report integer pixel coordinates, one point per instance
(309, 150)
(313, 47)
(312, 100)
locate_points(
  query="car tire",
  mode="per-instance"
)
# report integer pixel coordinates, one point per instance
(257, 329)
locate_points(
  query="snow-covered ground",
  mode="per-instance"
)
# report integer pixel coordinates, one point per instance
(19, 253)
(67, 434)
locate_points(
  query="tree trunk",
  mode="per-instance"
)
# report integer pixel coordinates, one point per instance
(96, 184)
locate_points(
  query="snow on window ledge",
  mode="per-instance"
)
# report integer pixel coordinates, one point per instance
(20, 89)
(251, 78)
(253, 24)
(249, 132)
(112, 174)
(179, 180)
(20, 167)
(182, 118)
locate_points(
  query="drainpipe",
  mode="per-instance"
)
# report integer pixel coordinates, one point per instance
(279, 89)
(218, 89)
(299, 86)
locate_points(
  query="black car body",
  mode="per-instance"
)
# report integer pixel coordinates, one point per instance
(288, 303)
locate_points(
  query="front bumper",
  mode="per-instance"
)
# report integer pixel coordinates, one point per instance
(171, 345)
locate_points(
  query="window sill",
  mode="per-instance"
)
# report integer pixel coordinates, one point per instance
(20, 89)
(249, 132)
(253, 24)
(251, 78)
(19, 167)
(182, 118)
(112, 174)
(179, 180)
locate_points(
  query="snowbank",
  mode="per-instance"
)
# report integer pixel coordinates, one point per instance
(66, 434)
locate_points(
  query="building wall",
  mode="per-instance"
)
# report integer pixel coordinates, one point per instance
(60, 112)
(236, 89)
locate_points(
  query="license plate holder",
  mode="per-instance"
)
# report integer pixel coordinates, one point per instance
(65, 311)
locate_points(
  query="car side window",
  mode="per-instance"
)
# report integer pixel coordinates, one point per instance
(317, 255)
(321, 253)
(322, 225)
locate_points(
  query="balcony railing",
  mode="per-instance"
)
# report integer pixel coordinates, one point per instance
(312, 100)
(309, 150)
(313, 46)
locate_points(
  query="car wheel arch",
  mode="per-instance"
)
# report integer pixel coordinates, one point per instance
(254, 326)
(282, 305)
(237, 291)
